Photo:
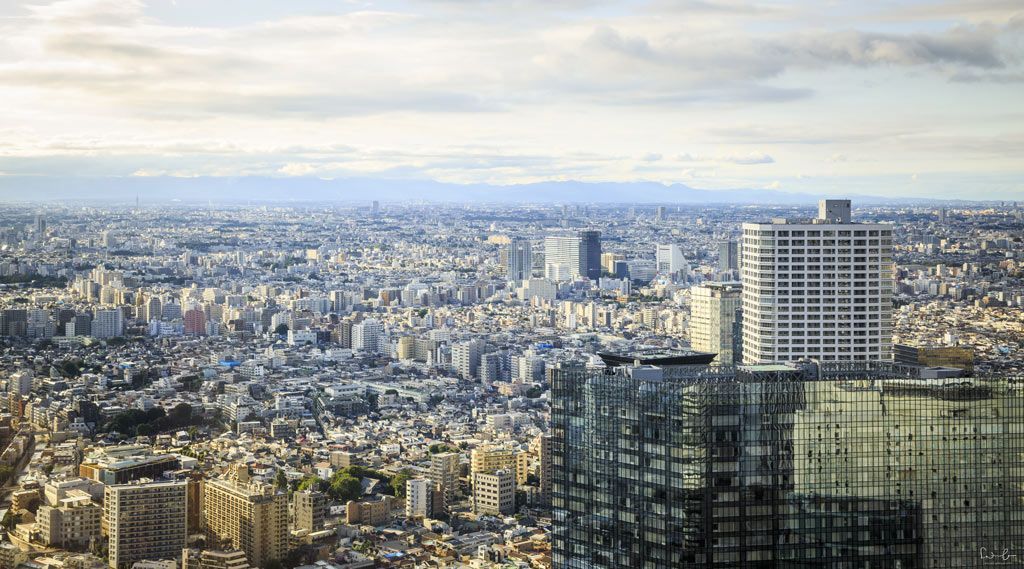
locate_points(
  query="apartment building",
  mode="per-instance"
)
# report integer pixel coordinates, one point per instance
(145, 520)
(444, 469)
(716, 319)
(310, 509)
(494, 494)
(818, 288)
(72, 524)
(246, 515)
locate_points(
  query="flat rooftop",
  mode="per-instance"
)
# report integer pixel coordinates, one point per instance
(657, 357)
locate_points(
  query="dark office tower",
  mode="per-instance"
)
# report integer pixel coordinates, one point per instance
(375, 209)
(621, 270)
(266, 317)
(64, 315)
(728, 256)
(82, 327)
(13, 322)
(846, 464)
(590, 254)
(519, 260)
(40, 224)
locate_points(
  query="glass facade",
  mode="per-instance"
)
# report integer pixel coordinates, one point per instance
(842, 465)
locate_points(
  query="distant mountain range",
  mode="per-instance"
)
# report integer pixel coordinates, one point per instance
(363, 190)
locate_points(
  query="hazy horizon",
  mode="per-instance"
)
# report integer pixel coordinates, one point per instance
(163, 190)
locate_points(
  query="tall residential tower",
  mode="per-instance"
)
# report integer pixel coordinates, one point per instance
(146, 521)
(817, 288)
(519, 265)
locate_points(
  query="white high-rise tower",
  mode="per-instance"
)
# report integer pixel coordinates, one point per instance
(818, 288)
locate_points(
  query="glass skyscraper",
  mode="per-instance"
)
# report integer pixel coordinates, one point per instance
(837, 465)
(590, 254)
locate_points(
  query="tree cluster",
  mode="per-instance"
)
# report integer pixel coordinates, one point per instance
(135, 422)
(346, 485)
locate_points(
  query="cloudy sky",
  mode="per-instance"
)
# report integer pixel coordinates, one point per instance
(912, 98)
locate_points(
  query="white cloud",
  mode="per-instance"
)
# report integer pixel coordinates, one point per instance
(748, 159)
(513, 91)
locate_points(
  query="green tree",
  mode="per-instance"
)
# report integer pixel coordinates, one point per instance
(363, 472)
(314, 483)
(281, 480)
(438, 448)
(180, 416)
(11, 520)
(70, 368)
(295, 558)
(345, 487)
(398, 483)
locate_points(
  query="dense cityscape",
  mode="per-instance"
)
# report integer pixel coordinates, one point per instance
(511, 284)
(398, 384)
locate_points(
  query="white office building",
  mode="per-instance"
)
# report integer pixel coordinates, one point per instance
(301, 337)
(20, 383)
(817, 288)
(671, 262)
(543, 289)
(567, 257)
